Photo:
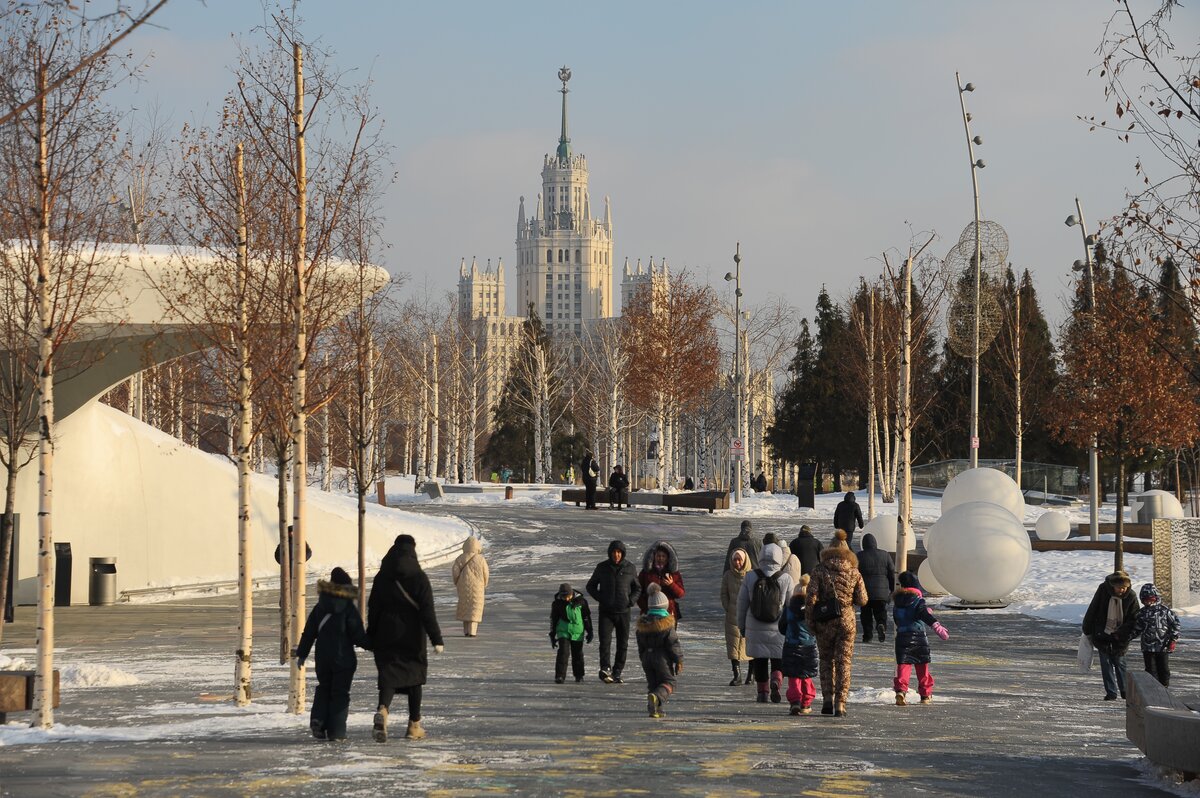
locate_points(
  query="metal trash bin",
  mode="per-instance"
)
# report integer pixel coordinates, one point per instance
(102, 581)
(62, 574)
(1151, 507)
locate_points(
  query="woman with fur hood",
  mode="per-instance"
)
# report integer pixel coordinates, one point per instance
(836, 586)
(764, 641)
(1108, 623)
(731, 586)
(660, 567)
(470, 574)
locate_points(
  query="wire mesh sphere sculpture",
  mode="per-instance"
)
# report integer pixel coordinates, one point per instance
(960, 320)
(960, 270)
(991, 234)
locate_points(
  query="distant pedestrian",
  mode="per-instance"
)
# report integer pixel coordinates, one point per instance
(746, 540)
(807, 548)
(591, 472)
(659, 651)
(470, 574)
(1158, 627)
(735, 641)
(791, 563)
(615, 587)
(570, 474)
(800, 658)
(835, 589)
(506, 474)
(912, 644)
(760, 482)
(400, 616)
(660, 567)
(1108, 623)
(618, 487)
(879, 576)
(291, 560)
(570, 628)
(847, 516)
(689, 483)
(761, 601)
(335, 626)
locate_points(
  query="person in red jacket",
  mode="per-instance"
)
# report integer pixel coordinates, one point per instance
(660, 567)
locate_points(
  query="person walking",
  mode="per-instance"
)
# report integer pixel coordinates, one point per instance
(761, 601)
(879, 576)
(470, 574)
(735, 641)
(847, 516)
(335, 627)
(659, 651)
(912, 643)
(835, 589)
(660, 567)
(1108, 623)
(791, 563)
(1157, 626)
(807, 549)
(615, 587)
(590, 470)
(746, 540)
(618, 487)
(570, 628)
(400, 616)
(801, 663)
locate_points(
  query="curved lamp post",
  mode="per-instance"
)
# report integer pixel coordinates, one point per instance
(736, 278)
(1089, 281)
(976, 165)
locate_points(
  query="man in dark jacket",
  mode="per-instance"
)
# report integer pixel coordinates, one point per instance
(618, 487)
(590, 470)
(1108, 623)
(807, 549)
(879, 576)
(614, 585)
(747, 541)
(846, 515)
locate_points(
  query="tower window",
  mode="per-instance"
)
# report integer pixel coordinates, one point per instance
(577, 256)
(549, 256)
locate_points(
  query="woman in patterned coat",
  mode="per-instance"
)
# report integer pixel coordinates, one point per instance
(837, 576)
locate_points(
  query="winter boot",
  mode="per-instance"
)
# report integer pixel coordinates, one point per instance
(866, 634)
(827, 708)
(379, 732)
(749, 676)
(805, 710)
(840, 711)
(415, 732)
(900, 699)
(775, 696)
(927, 699)
(318, 731)
(559, 679)
(795, 708)
(616, 678)
(881, 632)
(606, 677)
(737, 674)
(762, 695)
(654, 706)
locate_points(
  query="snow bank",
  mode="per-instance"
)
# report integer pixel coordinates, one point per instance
(83, 675)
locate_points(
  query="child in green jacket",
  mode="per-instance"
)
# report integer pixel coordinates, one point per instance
(570, 627)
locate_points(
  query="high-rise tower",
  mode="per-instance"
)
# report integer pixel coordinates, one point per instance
(564, 256)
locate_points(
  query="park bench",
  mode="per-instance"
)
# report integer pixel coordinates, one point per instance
(1165, 728)
(694, 500)
(16, 692)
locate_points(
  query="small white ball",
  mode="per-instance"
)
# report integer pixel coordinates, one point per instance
(884, 528)
(984, 485)
(1053, 525)
(928, 580)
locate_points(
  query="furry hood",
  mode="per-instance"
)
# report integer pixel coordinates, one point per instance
(745, 569)
(471, 546)
(905, 596)
(672, 560)
(335, 590)
(1116, 580)
(770, 559)
(647, 623)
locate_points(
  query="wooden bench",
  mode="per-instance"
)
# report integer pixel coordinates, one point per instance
(16, 692)
(694, 500)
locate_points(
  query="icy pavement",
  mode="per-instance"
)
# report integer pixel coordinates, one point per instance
(146, 712)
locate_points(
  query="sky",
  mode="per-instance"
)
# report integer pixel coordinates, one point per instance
(818, 135)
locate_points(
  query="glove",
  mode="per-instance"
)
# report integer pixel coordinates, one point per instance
(438, 649)
(1171, 647)
(678, 668)
(589, 638)
(553, 641)
(940, 630)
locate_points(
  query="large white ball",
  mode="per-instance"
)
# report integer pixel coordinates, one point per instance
(981, 551)
(1171, 508)
(928, 580)
(884, 528)
(984, 485)
(1053, 525)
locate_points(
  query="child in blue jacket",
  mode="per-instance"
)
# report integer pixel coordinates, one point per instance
(335, 626)
(801, 663)
(912, 644)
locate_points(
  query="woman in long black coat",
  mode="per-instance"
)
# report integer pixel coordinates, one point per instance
(399, 617)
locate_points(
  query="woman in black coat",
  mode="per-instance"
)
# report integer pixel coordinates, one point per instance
(879, 577)
(1108, 623)
(399, 617)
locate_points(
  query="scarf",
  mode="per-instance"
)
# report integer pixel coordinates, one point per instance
(1116, 615)
(657, 612)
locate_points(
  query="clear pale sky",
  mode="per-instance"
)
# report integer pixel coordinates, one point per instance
(813, 133)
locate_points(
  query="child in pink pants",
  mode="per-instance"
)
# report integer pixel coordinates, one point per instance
(912, 644)
(800, 662)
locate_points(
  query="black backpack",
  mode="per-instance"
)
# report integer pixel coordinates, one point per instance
(766, 597)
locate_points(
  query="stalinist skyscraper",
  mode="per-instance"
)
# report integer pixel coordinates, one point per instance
(564, 255)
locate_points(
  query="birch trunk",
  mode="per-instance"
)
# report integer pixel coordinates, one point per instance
(871, 406)
(365, 452)
(435, 411)
(283, 465)
(903, 422)
(1017, 336)
(326, 442)
(6, 528)
(473, 416)
(660, 424)
(296, 698)
(43, 682)
(423, 418)
(539, 376)
(242, 666)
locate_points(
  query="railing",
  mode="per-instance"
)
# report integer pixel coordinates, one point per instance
(1039, 477)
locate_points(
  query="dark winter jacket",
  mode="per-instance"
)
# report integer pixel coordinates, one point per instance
(615, 586)
(1096, 617)
(760, 482)
(748, 542)
(911, 617)
(878, 572)
(847, 514)
(335, 626)
(570, 618)
(618, 481)
(590, 470)
(658, 646)
(807, 549)
(800, 658)
(398, 624)
(673, 590)
(1157, 625)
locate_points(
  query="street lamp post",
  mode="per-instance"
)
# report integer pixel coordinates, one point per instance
(976, 165)
(736, 277)
(1089, 281)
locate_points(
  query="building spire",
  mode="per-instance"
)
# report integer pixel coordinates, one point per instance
(564, 143)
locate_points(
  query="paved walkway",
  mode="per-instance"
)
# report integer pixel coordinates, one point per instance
(1010, 718)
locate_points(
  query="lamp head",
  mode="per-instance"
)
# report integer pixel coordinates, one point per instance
(978, 139)
(728, 276)
(1071, 221)
(969, 87)
(738, 292)
(980, 164)
(1077, 266)
(1090, 240)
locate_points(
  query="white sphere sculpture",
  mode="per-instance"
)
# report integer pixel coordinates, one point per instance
(981, 552)
(1053, 525)
(984, 485)
(928, 580)
(1171, 508)
(885, 528)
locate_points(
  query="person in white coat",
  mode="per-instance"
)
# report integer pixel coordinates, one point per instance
(764, 641)
(470, 575)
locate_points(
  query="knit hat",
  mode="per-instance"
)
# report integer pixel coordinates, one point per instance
(340, 577)
(655, 598)
(746, 525)
(800, 588)
(565, 589)
(909, 579)
(805, 528)
(1149, 593)
(770, 537)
